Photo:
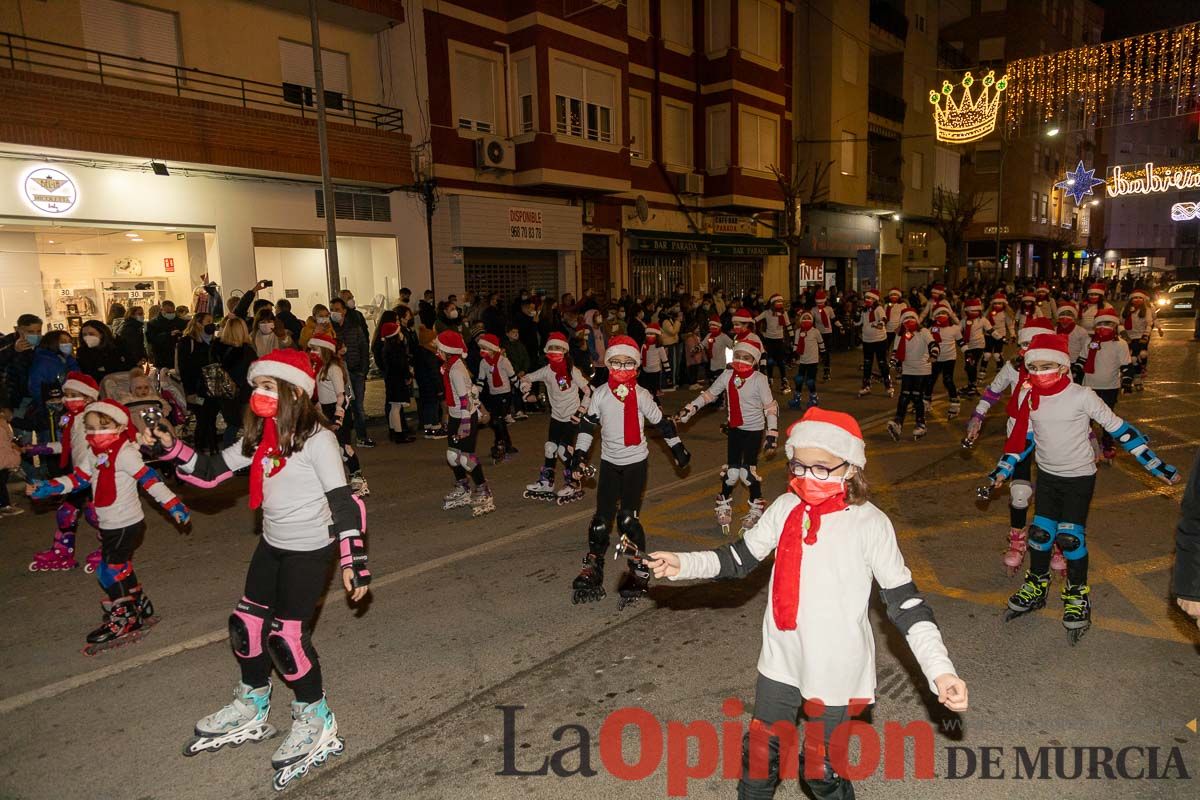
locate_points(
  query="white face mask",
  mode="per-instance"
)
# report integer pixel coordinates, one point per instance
(452, 314)
(266, 327)
(91, 341)
(322, 320)
(336, 316)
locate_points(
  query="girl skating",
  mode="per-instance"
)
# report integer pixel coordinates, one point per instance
(914, 354)
(333, 395)
(830, 545)
(1139, 319)
(1000, 330)
(775, 328)
(809, 348)
(1108, 368)
(462, 404)
(495, 378)
(873, 324)
(567, 390)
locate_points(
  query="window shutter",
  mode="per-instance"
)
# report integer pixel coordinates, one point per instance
(475, 90)
(296, 67)
(134, 31)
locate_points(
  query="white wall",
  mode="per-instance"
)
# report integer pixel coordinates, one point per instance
(297, 268)
(20, 278)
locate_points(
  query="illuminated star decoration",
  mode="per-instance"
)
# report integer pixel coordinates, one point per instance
(1079, 183)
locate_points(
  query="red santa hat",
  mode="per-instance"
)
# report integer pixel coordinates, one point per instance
(941, 310)
(743, 317)
(871, 294)
(389, 329)
(1067, 308)
(654, 329)
(832, 431)
(1028, 297)
(110, 408)
(1107, 314)
(907, 314)
(1035, 327)
(938, 288)
(451, 342)
(84, 384)
(557, 341)
(329, 343)
(292, 366)
(750, 344)
(974, 304)
(1048, 347)
(622, 346)
(1000, 297)
(1138, 294)
(714, 322)
(821, 295)
(489, 342)
(895, 290)
(775, 298)
(1043, 287)
(1097, 288)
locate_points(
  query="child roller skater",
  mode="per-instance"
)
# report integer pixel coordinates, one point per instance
(71, 448)
(1077, 337)
(1092, 304)
(947, 335)
(1138, 320)
(937, 298)
(495, 378)
(752, 409)
(1055, 414)
(113, 469)
(654, 363)
(310, 518)
(809, 348)
(974, 337)
(1044, 304)
(462, 405)
(830, 544)
(567, 390)
(914, 354)
(775, 328)
(1020, 485)
(332, 395)
(717, 346)
(1028, 310)
(619, 408)
(873, 324)
(895, 307)
(1107, 368)
(824, 320)
(999, 330)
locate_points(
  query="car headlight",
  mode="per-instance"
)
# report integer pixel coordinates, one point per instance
(1162, 301)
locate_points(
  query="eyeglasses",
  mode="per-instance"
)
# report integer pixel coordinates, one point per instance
(623, 364)
(818, 471)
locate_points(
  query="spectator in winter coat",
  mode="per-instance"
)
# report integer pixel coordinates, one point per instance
(98, 354)
(245, 306)
(427, 369)
(353, 315)
(493, 316)
(395, 364)
(131, 341)
(236, 354)
(162, 334)
(16, 357)
(290, 322)
(351, 330)
(319, 322)
(527, 332)
(52, 360)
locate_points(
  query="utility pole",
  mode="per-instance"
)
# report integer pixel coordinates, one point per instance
(331, 253)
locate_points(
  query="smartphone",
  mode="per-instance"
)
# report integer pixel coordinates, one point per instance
(267, 284)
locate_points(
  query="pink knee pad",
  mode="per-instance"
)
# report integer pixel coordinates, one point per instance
(290, 648)
(246, 628)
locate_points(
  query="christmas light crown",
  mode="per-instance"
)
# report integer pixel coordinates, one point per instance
(970, 118)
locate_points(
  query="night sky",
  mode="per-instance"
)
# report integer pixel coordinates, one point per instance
(1127, 17)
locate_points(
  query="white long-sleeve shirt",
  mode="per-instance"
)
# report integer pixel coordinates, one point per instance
(1061, 424)
(831, 652)
(1077, 342)
(460, 387)
(1046, 308)
(917, 358)
(771, 327)
(894, 310)
(128, 467)
(330, 387)
(950, 334)
(565, 401)
(759, 409)
(507, 373)
(974, 331)
(609, 413)
(1002, 324)
(1111, 356)
(655, 358)
(814, 345)
(722, 347)
(873, 322)
(1087, 316)
(823, 319)
(1140, 326)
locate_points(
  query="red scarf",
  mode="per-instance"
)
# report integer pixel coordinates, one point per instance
(493, 360)
(1129, 319)
(1020, 409)
(1093, 348)
(992, 312)
(709, 341)
(785, 590)
(105, 479)
(824, 312)
(905, 336)
(801, 341)
(967, 324)
(646, 350)
(781, 318)
(451, 400)
(267, 461)
(562, 375)
(633, 431)
(64, 458)
(735, 402)
(871, 314)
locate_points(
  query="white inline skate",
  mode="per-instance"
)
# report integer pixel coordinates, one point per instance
(724, 509)
(753, 515)
(482, 501)
(460, 496)
(952, 409)
(312, 739)
(243, 720)
(543, 489)
(569, 493)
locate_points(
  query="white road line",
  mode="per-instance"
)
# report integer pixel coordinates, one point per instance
(10, 704)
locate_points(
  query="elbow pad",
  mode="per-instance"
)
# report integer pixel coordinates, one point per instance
(736, 560)
(347, 514)
(1137, 444)
(906, 607)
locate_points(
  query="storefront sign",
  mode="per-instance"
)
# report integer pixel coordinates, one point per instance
(811, 270)
(525, 225)
(669, 242)
(746, 246)
(990, 230)
(1153, 180)
(732, 223)
(49, 191)
(168, 265)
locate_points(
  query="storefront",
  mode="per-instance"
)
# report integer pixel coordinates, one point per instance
(661, 260)
(737, 264)
(76, 237)
(834, 240)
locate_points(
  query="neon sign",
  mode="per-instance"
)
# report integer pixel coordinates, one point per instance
(1182, 212)
(1153, 180)
(971, 118)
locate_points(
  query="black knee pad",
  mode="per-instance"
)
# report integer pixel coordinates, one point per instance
(598, 536)
(1039, 535)
(631, 526)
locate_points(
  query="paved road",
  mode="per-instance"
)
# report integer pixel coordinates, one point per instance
(467, 615)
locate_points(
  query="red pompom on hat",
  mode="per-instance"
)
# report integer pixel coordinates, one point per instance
(558, 340)
(84, 384)
(1048, 347)
(833, 431)
(622, 346)
(292, 366)
(489, 341)
(451, 342)
(327, 341)
(389, 329)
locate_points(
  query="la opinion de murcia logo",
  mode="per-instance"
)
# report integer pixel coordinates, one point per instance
(969, 118)
(50, 191)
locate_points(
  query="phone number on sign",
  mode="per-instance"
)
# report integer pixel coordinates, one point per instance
(524, 232)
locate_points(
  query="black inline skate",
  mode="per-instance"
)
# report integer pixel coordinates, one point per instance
(634, 583)
(588, 586)
(1077, 610)
(1029, 598)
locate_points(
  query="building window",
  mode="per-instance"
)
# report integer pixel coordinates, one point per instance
(639, 126)
(677, 133)
(1037, 158)
(758, 140)
(676, 16)
(639, 16)
(918, 171)
(473, 82)
(296, 67)
(987, 158)
(947, 163)
(1033, 214)
(758, 29)
(918, 239)
(991, 49)
(918, 15)
(716, 27)
(135, 31)
(583, 101)
(718, 134)
(987, 207)
(1045, 205)
(526, 93)
(849, 60)
(847, 158)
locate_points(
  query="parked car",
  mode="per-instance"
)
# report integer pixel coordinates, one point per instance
(1178, 300)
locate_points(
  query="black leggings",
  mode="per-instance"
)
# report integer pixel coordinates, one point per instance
(946, 370)
(971, 363)
(1060, 499)
(465, 446)
(741, 452)
(806, 376)
(777, 352)
(621, 485)
(872, 352)
(289, 583)
(343, 436)
(116, 575)
(498, 406)
(912, 390)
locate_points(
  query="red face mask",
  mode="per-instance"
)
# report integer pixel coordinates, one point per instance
(997, 306)
(555, 356)
(821, 303)
(1065, 324)
(1105, 333)
(1137, 302)
(628, 377)
(814, 491)
(103, 440)
(973, 313)
(941, 321)
(264, 403)
(75, 404)
(742, 369)
(805, 324)
(1045, 380)
(911, 326)
(868, 302)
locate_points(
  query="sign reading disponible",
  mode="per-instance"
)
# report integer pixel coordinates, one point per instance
(525, 225)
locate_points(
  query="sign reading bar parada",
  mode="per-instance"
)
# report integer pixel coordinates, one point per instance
(525, 225)
(1151, 179)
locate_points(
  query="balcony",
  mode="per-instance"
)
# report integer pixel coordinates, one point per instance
(131, 106)
(883, 103)
(951, 57)
(884, 189)
(889, 19)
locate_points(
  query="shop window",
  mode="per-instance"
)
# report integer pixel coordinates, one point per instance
(473, 90)
(510, 271)
(676, 18)
(846, 164)
(359, 206)
(640, 146)
(526, 93)
(758, 29)
(584, 100)
(758, 140)
(657, 274)
(295, 263)
(677, 133)
(738, 277)
(134, 31)
(716, 27)
(717, 133)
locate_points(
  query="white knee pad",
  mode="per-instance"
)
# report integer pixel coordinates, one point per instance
(550, 450)
(561, 452)
(730, 474)
(452, 458)
(750, 475)
(1019, 494)
(465, 461)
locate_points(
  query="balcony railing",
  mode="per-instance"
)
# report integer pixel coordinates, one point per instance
(888, 18)
(109, 69)
(883, 189)
(885, 104)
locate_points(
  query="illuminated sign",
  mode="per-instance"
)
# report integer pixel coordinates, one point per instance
(1150, 179)
(969, 118)
(1079, 183)
(1182, 212)
(49, 190)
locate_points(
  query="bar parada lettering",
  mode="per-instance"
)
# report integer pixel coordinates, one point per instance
(1153, 180)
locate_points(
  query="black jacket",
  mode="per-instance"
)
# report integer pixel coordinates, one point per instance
(162, 335)
(14, 370)
(193, 355)
(132, 342)
(354, 337)
(292, 323)
(100, 362)
(1187, 539)
(237, 361)
(396, 369)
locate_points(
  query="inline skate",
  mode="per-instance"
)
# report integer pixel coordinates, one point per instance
(311, 741)
(458, 497)
(753, 515)
(1029, 598)
(544, 488)
(243, 720)
(724, 511)
(588, 586)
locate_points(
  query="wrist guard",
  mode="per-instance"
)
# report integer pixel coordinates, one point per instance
(354, 557)
(1137, 444)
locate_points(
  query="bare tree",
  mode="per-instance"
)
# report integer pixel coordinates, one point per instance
(953, 213)
(805, 186)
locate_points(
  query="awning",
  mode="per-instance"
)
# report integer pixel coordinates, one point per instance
(746, 246)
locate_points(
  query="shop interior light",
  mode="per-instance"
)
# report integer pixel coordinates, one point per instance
(159, 168)
(1052, 132)
(895, 217)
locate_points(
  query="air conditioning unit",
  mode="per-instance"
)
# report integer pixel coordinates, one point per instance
(690, 183)
(493, 152)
